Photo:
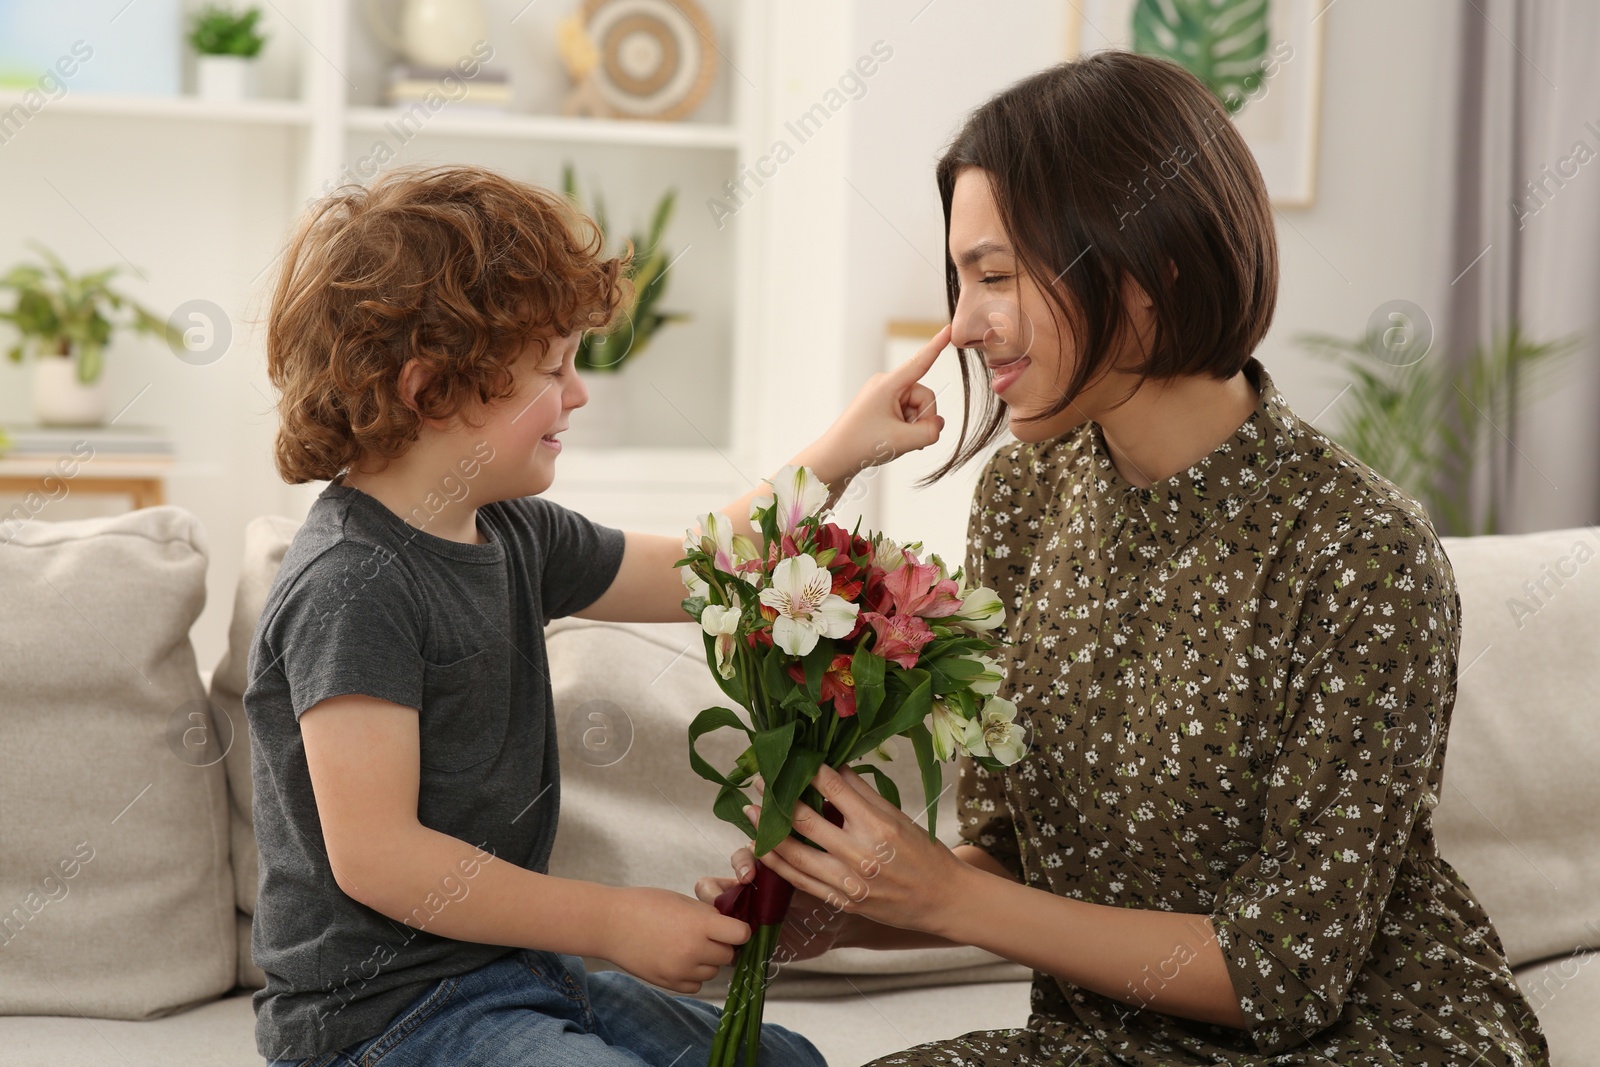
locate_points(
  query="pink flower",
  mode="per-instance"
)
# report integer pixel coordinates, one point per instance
(915, 589)
(899, 637)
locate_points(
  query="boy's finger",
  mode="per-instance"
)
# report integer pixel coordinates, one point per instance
(919, 364)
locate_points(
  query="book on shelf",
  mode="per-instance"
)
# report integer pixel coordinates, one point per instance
(144, 444)
(409, 83)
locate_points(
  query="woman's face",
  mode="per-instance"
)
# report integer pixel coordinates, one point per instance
(1003, 314)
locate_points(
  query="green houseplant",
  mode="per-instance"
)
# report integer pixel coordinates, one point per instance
(66, 320)
(227, 44)
(1438, 430)
(649, 268)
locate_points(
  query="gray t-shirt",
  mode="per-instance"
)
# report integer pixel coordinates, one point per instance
(367, 603)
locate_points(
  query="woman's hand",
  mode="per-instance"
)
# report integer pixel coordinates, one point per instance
(894, 413)
(879, 865)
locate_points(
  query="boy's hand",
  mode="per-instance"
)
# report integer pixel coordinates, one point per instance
(811, 927)
(671, 940)
(894, 413)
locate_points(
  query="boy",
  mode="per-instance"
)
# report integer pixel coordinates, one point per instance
(422, 337)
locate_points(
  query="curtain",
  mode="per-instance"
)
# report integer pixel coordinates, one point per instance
(1526, 246)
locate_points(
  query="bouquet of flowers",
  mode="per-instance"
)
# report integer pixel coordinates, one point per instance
(830, 644)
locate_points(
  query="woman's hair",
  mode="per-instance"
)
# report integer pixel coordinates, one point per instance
(456, 267)
(1112, 165)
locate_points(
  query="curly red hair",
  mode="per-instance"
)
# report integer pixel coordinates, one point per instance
(457, 267)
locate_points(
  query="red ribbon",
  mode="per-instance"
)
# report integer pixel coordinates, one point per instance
(764, 900)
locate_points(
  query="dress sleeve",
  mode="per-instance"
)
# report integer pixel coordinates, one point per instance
(1356, 772)
(983, 814)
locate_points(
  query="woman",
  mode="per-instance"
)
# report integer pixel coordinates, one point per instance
(1234, 644)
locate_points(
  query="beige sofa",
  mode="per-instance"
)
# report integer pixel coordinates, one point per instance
(128, 866)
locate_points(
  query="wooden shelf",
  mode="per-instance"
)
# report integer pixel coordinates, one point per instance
(483, 122)
(265, 112)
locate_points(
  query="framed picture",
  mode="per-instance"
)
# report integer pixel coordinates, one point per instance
(1263, 58)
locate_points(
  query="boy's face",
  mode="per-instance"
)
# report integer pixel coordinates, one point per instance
(522, 427)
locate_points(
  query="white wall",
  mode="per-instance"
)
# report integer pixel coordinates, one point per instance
(1378, 229)
(841, 261)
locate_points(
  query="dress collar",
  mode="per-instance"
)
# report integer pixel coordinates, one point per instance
(1215, 489)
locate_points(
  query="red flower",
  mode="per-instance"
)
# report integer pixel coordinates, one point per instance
(831, 535)
(877, 596)
(837, 685)
(899, 637)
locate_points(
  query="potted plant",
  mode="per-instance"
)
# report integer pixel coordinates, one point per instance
(66, 320)
(227, 45)
(1431, 426)
(602, 355)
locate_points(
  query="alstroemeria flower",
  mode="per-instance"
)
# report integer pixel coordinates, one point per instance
(696, 585)
(797, 493)
(986, 684)
(899, 637)
(1001, 735)
(916, 589)
(889, 553)
(722, 621)
(952, 732)
(981, 609)
(802, 595)
(717, 540)
(837, 685)
(846, 572)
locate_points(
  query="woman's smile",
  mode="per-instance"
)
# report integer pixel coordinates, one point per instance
(1006, 374)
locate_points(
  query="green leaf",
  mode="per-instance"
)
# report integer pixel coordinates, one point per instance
(733, 687)
(708, 721)
(885, 785)
(932, 773)
(952, 673)
(867, 669)
(729, 807)
(781, 796)
(1222, 42)
(912, 709)
(772, 749)
(816, 664)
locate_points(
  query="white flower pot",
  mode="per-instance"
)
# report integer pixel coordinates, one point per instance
(227, 77)
(603, 421)
(59, 399)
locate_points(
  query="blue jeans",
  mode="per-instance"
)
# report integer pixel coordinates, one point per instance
(533, 1008)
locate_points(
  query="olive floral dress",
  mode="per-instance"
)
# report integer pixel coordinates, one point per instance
(1237, 686)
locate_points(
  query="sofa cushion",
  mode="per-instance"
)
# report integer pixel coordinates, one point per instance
(634, 813)
(1516, 818)
(1565, 994)
(265, 540)
(114, 871)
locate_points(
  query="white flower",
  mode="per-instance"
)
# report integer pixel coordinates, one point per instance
(799, 493)
(981, 609)
(802, 595)
(716, 539)
(952, 732)
(890, 554)
(723, 623)
(1001, 734)
(696, 585)
(988, 683)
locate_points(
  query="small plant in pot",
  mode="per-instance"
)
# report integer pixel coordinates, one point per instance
(227, 45)
(65, 322)
(603, 354)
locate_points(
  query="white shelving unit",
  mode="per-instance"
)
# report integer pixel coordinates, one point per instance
(704, 418)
